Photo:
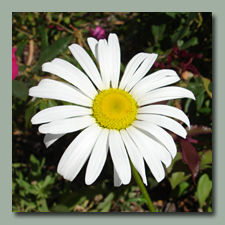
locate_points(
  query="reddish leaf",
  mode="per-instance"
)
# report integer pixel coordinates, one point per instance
(191, 157)
(197, 130)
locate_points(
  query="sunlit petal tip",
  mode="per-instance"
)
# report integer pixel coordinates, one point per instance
(49, 139)
(191, 95)
(87, 181)
(30, 92)
(72, 45)
(188, 124)
(44, 66)
(33, 119)
(91, 39)
(42, 129)
(113, 35)
(188, 127)
(93, 43)
(159, 179)
(155, 55)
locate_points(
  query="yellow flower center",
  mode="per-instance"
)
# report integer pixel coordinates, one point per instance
(114, 109)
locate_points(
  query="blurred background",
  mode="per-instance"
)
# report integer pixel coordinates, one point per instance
(183, 42)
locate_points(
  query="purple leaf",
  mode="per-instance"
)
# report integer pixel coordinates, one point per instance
(191, 157)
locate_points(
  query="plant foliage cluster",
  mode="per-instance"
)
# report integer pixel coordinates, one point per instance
(183, 42)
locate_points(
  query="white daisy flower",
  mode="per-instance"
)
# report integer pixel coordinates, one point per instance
(115, 115)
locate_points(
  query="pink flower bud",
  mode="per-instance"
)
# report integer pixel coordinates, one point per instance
(98, 33)
(15, 67)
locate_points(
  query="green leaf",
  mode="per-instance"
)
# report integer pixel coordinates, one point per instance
(43, 205)
(36, 166)
(183, 188)
(191, 17)
(200, 98)
(139, 200)
(43, 105)
(17, 165)
(171, 14)
(52, 103)
(60, 208)
(177, 158)
(72, 199)
(19, 89)
(34, 162)
(44, 38)
(53, 50)
(181, 33)
(30, 111)
(20, 47)
(207, 84)
(180, 43)
(158, 31)
(193, 41)
(177, 178)
(204, 188)
(106, 208)
(48, 181)
(205, 110)
(209, 209)
(49, 16)
(106, 201)
(66, 20)
(180, 190)
(206, 159)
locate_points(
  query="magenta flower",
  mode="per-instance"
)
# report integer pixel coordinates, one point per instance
(98, 33)
(15, 67)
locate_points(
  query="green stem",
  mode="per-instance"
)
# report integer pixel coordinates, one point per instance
(208, 202)
(60, 25)
(44, 205)
(142, 188)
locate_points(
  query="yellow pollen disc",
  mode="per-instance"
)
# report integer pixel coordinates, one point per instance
(114, 109)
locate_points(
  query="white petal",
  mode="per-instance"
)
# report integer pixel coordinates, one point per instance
(87, 64)
(135, 155)
(119, 156)
(97, 158)
(151, 159)
(104, 61)
(78, 152)
(158, 149)
(49, 139)
(164, 137)
(116, 179)
(165, 122)
(59, 112)
(67, 125)
(60, 91)
(92, 42)
(141, 71)
(165, 93)
(115, 58)
(165, 110)
(70, 73)
(131, 67)
(145, 86)
(157, 76)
